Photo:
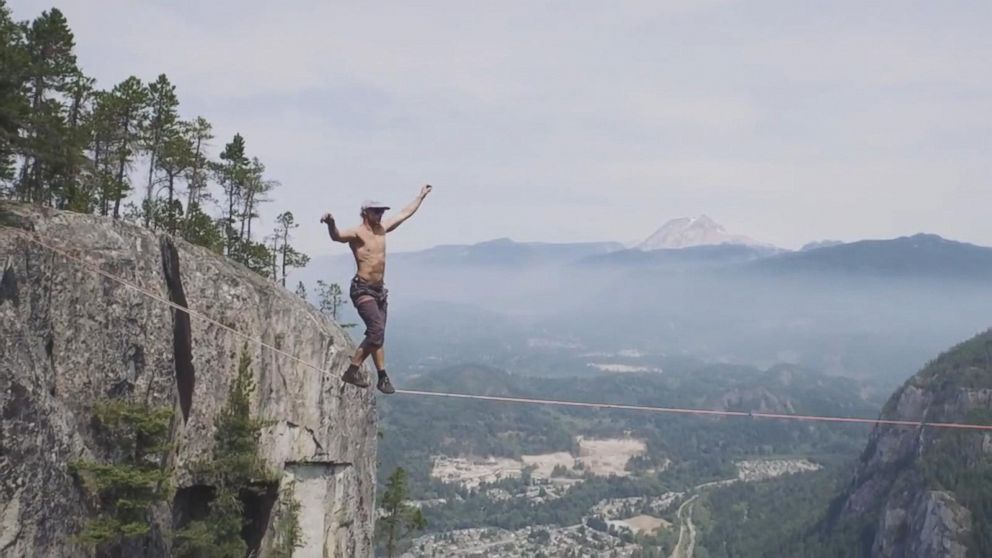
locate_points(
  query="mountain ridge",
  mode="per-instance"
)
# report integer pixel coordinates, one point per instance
(922, 254)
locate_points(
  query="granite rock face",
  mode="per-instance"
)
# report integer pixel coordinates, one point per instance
(907, 489)
(70, 337)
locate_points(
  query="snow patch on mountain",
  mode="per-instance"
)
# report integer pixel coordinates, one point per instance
(693, 231)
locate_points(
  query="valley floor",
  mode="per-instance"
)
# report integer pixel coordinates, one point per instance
(610, 527)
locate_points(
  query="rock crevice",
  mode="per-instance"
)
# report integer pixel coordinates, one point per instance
(182, 336)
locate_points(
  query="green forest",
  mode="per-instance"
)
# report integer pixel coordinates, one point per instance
(781, 517)
(699, 449)
(702, 449)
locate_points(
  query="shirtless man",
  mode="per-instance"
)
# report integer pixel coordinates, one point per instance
(368, 292)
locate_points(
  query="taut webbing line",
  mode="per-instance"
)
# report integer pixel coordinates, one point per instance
(700, 412)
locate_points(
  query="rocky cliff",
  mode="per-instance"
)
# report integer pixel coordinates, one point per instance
(927, 492)
(70, 337)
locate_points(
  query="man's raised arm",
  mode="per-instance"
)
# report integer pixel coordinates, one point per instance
(332, 229)
(405, 213)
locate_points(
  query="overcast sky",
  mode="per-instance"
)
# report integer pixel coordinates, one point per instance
(571, 121)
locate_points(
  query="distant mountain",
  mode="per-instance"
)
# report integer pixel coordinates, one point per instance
(504, 251)
(820, 244)
(921, 255)
(925, 492)
(720, 254)
(495, 253)
(692, 231)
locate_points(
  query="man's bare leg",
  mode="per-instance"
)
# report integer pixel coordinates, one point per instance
(379, 358)
(354, 375)
(361, 353)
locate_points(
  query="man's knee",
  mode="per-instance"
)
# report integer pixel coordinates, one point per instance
(375, 333)
(375, 338)
(374, 315)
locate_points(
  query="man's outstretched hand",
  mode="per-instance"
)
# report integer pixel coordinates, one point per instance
(426, 190)
(327, 218)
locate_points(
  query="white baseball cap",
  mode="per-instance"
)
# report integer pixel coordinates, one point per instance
(372, 204)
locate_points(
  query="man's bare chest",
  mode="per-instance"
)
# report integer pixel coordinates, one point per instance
(371, 244)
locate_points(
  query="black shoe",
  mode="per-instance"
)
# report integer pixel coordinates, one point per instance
(354, 376)
(385, 386)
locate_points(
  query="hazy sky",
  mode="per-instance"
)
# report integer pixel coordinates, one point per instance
(568, 121)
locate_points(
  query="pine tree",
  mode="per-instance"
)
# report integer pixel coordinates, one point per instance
(329, 299)
(50, 71)
(174, 160)
(232, 173)
(128, 111)
(201, 229)
(256, 187)
(400, 518)
(272, 241)
(162, 124)
(256, 256)
(199, 133)
(13, 101)
(136, 437)
(101, 131)
(68, 185)
(290, 256)
(238, 433)
(198, 227)
(234, 466)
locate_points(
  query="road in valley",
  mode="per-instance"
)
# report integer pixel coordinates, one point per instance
(686, 545)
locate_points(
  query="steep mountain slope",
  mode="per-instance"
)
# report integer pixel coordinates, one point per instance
(925, 492)
(914, 492)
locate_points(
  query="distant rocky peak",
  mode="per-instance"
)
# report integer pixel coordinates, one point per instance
(685, 232)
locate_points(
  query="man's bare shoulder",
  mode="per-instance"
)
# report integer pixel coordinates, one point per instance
(369, 233)
(357, 233)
